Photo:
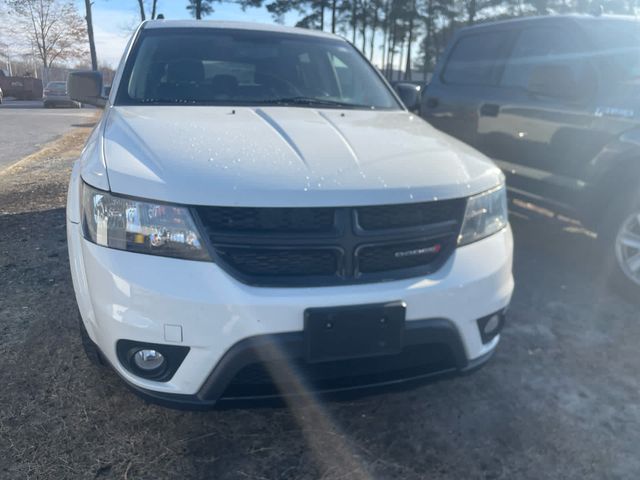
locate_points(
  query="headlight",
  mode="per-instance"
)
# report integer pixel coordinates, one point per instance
(138, 226)
(486, 214)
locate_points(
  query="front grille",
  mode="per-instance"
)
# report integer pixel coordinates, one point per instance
(397, 256)
(284, 220)
(384, 217)
(279, 262)
(300, 247)
(291, 375)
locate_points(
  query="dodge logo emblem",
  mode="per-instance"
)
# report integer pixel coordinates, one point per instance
(418, 251)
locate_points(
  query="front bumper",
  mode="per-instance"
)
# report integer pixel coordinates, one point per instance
(271, 367)
(124, 295)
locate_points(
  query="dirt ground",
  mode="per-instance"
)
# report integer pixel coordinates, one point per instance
(559, 400)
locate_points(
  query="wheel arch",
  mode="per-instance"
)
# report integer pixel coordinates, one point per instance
(613, 173)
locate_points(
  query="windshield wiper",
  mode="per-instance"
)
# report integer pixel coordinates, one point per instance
(301, 100)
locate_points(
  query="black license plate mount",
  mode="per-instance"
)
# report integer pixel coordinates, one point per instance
(340, 333)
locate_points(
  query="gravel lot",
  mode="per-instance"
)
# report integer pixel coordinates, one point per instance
(559, 399)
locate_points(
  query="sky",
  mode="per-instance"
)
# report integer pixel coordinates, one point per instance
(115, 20)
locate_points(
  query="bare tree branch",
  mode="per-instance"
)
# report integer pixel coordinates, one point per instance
(53, 28)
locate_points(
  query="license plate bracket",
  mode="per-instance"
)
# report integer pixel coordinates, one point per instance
(339, 333)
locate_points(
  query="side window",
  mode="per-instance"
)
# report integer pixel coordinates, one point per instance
(475, 59)
(542, 46)
(618, 50)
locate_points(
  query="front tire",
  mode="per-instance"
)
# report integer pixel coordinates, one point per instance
(621, 235)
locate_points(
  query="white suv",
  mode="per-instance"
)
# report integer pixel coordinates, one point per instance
(257, 214)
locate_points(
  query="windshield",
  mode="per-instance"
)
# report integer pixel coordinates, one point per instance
(238, 67)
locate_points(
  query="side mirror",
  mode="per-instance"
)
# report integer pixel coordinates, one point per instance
(410, 95)
(555, 81)
(86, 87)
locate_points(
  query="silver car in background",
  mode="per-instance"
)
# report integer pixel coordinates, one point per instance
(55, 94)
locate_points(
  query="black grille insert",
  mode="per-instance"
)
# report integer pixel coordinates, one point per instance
(300, 247)
(285, 262)
(398, 256)
(385, 217)
(284, 220)
(285, 377)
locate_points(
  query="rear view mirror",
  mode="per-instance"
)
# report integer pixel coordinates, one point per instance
(410, 95)
(555, 81)
(86, 87)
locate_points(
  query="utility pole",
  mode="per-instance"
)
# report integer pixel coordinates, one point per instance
(92, 43)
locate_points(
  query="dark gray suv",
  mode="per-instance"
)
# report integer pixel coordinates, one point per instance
(555, 101)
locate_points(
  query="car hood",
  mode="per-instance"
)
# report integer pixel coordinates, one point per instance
(286, 156)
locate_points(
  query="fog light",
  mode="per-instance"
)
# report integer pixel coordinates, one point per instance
(490, 326)
(148, 360)
(157, 362)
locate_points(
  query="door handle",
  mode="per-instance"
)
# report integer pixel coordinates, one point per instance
(432, 102)
(489, 110)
